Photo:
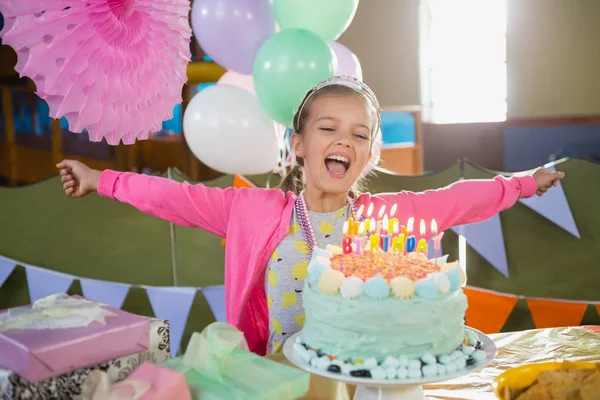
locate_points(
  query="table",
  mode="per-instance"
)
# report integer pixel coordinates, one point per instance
(514, 349)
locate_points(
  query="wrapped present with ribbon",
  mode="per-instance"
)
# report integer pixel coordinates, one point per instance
(68, 386)
(62, 333)
(148, 382)
(218, 365)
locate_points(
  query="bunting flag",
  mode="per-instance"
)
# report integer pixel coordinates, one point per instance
(553, 205)
(548, 313)
(239, 182)
(45, 282)
(172, 304)
(598, 308)
(110, 293)
(6, 268)
(486, 238)
(215, 296)
(488, 310)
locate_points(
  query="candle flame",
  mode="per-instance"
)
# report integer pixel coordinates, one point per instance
(422, 228)
(410, 224)
(360, 211)
(385, 222)
(396, 227)
(434, 228)
(373, 225)
(381, 211)
(361, 228)
(370, 210)
(345, 229)
(393, 210)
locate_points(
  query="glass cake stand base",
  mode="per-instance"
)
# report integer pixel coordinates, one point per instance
(390, 389)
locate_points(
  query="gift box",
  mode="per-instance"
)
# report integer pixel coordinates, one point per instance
(63, 333)
(218, 365)
(148, 382)
(68, 386)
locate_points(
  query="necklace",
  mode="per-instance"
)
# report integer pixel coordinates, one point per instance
(305, 224)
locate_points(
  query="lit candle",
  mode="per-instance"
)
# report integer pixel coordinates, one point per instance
(411, 241)
(347, 240)
(393, 210)
(359, 239)
(381, 212)
(360, 211)
(374, 243)
(386, 234)
(352, 227)
(391, 223)
(370, 210)
(437, 239)
(373, 225)
(397, 241)
(422, 246)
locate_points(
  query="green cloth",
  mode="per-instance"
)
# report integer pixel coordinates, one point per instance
(218, 365)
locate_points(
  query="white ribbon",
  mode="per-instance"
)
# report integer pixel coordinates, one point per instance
(97, 386)
(58, 311)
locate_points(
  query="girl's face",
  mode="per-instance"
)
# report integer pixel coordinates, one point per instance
(336, 142)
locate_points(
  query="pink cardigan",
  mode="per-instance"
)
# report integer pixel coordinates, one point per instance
(255, 221)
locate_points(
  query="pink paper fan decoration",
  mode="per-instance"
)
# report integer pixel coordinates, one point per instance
(113, 67)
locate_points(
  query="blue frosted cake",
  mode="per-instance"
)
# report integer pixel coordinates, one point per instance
(385, 314)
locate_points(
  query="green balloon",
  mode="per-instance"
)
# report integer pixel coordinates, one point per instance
(327, 18)
(289, 64)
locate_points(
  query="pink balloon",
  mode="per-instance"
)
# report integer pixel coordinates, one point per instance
(347, 62)
(235, 79)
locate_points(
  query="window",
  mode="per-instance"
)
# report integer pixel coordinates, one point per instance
(463, 60)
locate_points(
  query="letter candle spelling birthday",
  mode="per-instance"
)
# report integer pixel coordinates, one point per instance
(397, 240)
(347, 240)
(422, 246)
(385, 239)
(437, 239)
(358, 242)
(411, 241)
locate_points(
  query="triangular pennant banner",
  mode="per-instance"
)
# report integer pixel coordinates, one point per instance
(554, 206)
(486, 238)
(172, 304)
(6, 268)
(44, 282)
(488, 311)
(239, 182)
(598, 308)
(555, 313)
(111, 293)
(215, 296)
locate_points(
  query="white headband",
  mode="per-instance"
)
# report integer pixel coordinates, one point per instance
(349, 82)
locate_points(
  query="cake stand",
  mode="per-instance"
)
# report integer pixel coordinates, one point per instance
(390, 389)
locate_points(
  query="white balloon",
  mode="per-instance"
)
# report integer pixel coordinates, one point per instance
(226, 128)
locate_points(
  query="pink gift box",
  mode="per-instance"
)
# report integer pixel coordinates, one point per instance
(38, 354)
(148, 382)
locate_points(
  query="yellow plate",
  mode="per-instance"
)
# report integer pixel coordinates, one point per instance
(525, 375)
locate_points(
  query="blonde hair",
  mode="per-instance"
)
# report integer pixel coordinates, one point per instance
(294, 180)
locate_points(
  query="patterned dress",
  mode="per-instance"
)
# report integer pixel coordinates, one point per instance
(286, 270)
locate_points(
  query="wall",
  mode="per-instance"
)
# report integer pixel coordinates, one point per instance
(553, 60)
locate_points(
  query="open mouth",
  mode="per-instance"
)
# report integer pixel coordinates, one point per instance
(337, 165)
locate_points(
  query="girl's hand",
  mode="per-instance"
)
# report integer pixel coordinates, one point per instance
(545, 179)
(78, 179)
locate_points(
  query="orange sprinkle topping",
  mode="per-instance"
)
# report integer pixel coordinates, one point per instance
(389, 265)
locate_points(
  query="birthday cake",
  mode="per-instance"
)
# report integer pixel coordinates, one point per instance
(376, 307)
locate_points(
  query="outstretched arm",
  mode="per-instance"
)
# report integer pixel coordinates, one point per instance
(181, 203)
(466, 201)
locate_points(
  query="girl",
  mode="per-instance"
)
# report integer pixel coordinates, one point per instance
(271, 233)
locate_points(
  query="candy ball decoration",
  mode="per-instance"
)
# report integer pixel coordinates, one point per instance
(113, 67)
(232, 31)
(327, 18)
(287, 65)
(347, 62)
(227, 130)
